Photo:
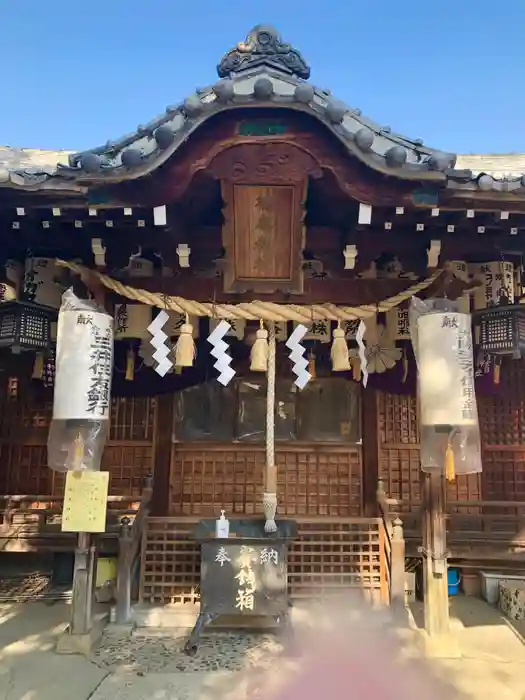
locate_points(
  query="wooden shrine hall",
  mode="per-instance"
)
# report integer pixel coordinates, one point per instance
(264, 197)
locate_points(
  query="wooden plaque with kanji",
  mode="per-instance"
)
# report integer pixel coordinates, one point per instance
(263, 190)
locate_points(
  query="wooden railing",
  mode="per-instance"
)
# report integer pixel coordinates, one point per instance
(33, 522)
(330, 556)
(486, 528)
(394, 551)
(129, 547)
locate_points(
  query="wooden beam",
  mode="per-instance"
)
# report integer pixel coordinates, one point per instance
(160, 501)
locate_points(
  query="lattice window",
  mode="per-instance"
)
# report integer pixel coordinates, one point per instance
(170, 562)
(310, 481)
(319, 482)
(328, 557)
(24, 425)
(204, 481)
(398, 423)
(504, 474)
(133, 419)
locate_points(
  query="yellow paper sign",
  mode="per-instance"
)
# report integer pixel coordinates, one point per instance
(85, 501)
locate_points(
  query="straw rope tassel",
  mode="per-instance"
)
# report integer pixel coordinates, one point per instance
(270, 482)
(185, 347)
(339, 351)
(259, 352)
(130, 365)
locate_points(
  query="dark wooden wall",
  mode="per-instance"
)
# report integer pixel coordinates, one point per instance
(502, 427)
(315, 479)
(24, 423)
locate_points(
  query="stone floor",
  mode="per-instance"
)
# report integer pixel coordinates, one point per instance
(348, 663)
(224, 651)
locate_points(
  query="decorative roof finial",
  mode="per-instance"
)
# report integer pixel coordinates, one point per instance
(264, 47)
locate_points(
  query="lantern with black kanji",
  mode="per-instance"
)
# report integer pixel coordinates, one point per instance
(448, 417)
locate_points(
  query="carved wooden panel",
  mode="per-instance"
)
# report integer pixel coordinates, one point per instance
(264, 188)
(262, 245)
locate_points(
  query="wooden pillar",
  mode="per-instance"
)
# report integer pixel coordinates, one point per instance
(435, 584)
(83, 586)
(160, 501)
(397, 570)
(123, 602)
(370, 451)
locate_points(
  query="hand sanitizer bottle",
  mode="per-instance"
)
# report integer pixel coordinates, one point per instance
(222, 527)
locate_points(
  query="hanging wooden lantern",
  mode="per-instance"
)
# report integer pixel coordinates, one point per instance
(25, 326)
(460, 269)
(132, 321)
(140, 267)
(500, 330)
(497, 284)
(41, 282)
(397, 324)
(499, 323)
(317, 330)
(11, 283)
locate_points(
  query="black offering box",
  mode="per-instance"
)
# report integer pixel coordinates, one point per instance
(244, 574)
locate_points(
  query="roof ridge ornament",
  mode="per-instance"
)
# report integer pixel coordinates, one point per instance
(264, 47)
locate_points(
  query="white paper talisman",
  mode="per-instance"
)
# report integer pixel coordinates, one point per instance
(446, 369)
(317, 330)
(84, 365)
(236, 329)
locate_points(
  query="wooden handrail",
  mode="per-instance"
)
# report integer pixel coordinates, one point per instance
(396, 555)
(129, 547)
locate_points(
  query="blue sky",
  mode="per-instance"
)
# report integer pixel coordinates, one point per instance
(452, 72)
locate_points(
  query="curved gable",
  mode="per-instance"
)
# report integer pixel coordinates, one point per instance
(261, 71)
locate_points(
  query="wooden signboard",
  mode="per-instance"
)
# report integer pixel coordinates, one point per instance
(244, 579)
(244, 574)
(264, 189)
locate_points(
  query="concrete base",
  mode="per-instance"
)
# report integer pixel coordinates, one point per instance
(84, 644)
(184, 616)
(442, 646)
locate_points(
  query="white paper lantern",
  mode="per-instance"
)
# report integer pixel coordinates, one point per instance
(132, 321)
(84, 366)
(446, 369)
(495, 277)
(40, 285)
